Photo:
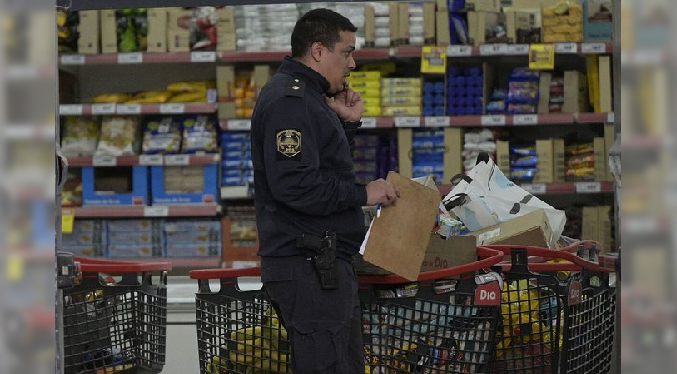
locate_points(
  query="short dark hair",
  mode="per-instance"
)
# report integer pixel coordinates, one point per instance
(318, 25)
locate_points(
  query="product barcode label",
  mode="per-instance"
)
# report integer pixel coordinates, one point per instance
(177, 160)
(493, 120)
(73, 60)
(518, 49)
(203, 57)
(172, 108)
(368, 123)
(130, 58)
(534, 189)
(588, 187)
(70, 109)
(239, 124)
(129, 109)
(155, 211)
(407, 121)
(525, 119)
(150, 160)
(104, 161)
(103, 109)
(459, 51)
(566, 48)
(437, 121)
(593, 48)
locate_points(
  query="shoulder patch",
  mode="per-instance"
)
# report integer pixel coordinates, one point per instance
(288, 142)
(296, 87)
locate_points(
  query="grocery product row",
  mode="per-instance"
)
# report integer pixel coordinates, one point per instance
(380, 24)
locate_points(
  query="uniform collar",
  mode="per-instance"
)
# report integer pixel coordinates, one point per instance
(297, 69)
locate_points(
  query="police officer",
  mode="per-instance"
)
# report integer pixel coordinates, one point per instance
(308, 206)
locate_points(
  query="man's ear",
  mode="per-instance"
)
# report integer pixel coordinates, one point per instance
(316, 51)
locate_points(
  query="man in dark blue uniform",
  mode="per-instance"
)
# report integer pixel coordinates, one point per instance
(308, 206)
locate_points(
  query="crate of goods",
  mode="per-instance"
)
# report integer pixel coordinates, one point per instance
(191, 238)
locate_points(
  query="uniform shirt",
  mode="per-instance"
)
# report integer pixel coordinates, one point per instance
(304, 180)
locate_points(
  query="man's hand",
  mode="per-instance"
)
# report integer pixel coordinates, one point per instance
(348, 105)
(381, 192)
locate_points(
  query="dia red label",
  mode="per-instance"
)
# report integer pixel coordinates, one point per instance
(575, 292)
(488, 294)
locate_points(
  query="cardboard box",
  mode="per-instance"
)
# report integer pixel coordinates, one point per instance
(598, 20)
(442, 28)
(605, 97)
(604, 228)
(455, 251)
(157, 30)
(403, 23)
(226, 35)
(225, 81)
(394, 14)
(226, 110)
(369, 26)
(503, 157)
(178, 30)
(137, 196)
(601, 159)
(559, 165)
(453, 161)
(473, 28)
(545, 78)
(489, 28)
(109, 33)
(88, 41)
(524, 26)
(530, 229)
(546, 162)
(442, 5)
(575, 92)
(589, 223)
(390, 247)
(428, 23)
(609, 139)
(209, 195)
(261, 76)
(484, 5)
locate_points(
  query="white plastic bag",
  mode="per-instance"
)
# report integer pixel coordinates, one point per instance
(485, 197)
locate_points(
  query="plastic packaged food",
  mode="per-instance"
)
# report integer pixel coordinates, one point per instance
(199, 135)
(162, 135)
(80, 135)
(119, 136)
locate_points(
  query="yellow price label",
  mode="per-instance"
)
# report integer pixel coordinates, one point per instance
(67, 220)
(15, 268)
(542, 57)
(434, 60)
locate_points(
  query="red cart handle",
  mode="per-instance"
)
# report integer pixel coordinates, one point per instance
(88, 265)
(575, 263)
(490, 257)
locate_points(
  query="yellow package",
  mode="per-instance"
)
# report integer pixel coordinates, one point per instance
(371, 93)
(371, 102)
(110, 98)
(189, 97)
(401, 111)
(401, 91)
(365, 85)
(191, 86)
(372, 111)
(150, 97)
(366, 75)
(401, 82)
(401, 101)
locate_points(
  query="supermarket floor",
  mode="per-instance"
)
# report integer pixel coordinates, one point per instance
(182, 355)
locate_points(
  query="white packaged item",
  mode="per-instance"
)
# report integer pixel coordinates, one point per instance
(119, 136)
(80, 136)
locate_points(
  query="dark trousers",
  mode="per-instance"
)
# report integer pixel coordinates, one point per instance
(324, 326)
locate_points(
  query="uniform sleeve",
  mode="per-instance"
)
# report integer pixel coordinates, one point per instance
(350, 129)
(292, 163)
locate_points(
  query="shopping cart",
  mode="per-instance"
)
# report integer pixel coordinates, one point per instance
(557, 317)
(115, 318)
(435, 325)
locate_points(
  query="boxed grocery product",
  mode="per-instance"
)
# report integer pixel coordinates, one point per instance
(483, 5)
(524, 27)
(401, 111)
(178, 30)
(115, 186)
(369, 26)
(88, 30)
(131, 251)
(598, 20)
(530, 229)
(184, 185)
(559, 167)
(563, 22)
(503, 157)
(109, 34)
(546, 162)
(575, 92)
(89, 250)
(492, 28)
(129, 225)
(442, 31)
(226, 37)
(157, 29)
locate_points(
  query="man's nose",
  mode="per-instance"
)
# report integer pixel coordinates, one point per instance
(351, 63)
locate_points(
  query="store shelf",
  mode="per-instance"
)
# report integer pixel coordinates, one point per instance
(145, 160)
(28, 131)
(501, 50)
(135, 109)
(556, 188)
(235, 192)
(138, 58)
(142, 211)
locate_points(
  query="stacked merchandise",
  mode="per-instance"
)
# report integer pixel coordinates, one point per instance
(265, 27)
(191, 238)
(556, 102)
(67, 29)
(381, 24)
(199, 135)
(433, 98)
(79, 136)
(497, 102)
(365, 158)
(416, 28)
(236, 164)
(86, 239)
(71, 195)
(401, 96)
(162, 135)
(132, 238)
(465, 91)
(368, 85)
(523, 164)
(523, 92)
(563, 22)
(131, 30)
(242, 227)
(119, 136)
(580, 162)
(458, 24)
(179, 92)
(353, 11)
(245, 96)
(474, 143)
(428, 153)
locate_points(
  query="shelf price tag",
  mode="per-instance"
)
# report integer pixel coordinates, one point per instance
(129, 109)
(534, 189)
(442, 121)
(493, 120)
(368, 123)
(541, 57)
(525, 119)
(150, 160)
(518, 49)
(493, 49)
(177, 160)
(239, 124)
(588, 187)
(407, 121)
(104, 161)
(103, 108)
(73, 60)
(433, 60)
(459, 51)
(70, 110)
(130, 58)
(566, 48)
(155, 211)
(172, 108)
(203, 57)
(610, 117)
(593, 48)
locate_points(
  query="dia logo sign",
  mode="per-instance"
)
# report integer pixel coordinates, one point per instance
(488, 294)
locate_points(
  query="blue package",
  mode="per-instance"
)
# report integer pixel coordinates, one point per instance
(524, 175)
(428, 88)
(237, 155)
(199, 134)
(233, 181)
(439, 88)
(460, 81)
(366, 140)
(458, 29)
(473, 72)
(364, 153)
(162, 135)
(523, 151)
(439, 100)
(235, 146)
(428, 111)
(452, 110)
(424, 133)
(452, 71)
(428, 143)
(525, 162)
(235, 136)
(428, 169)
(427, 159)
(237, 163)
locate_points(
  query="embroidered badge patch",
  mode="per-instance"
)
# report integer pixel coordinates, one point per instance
(289, 143)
